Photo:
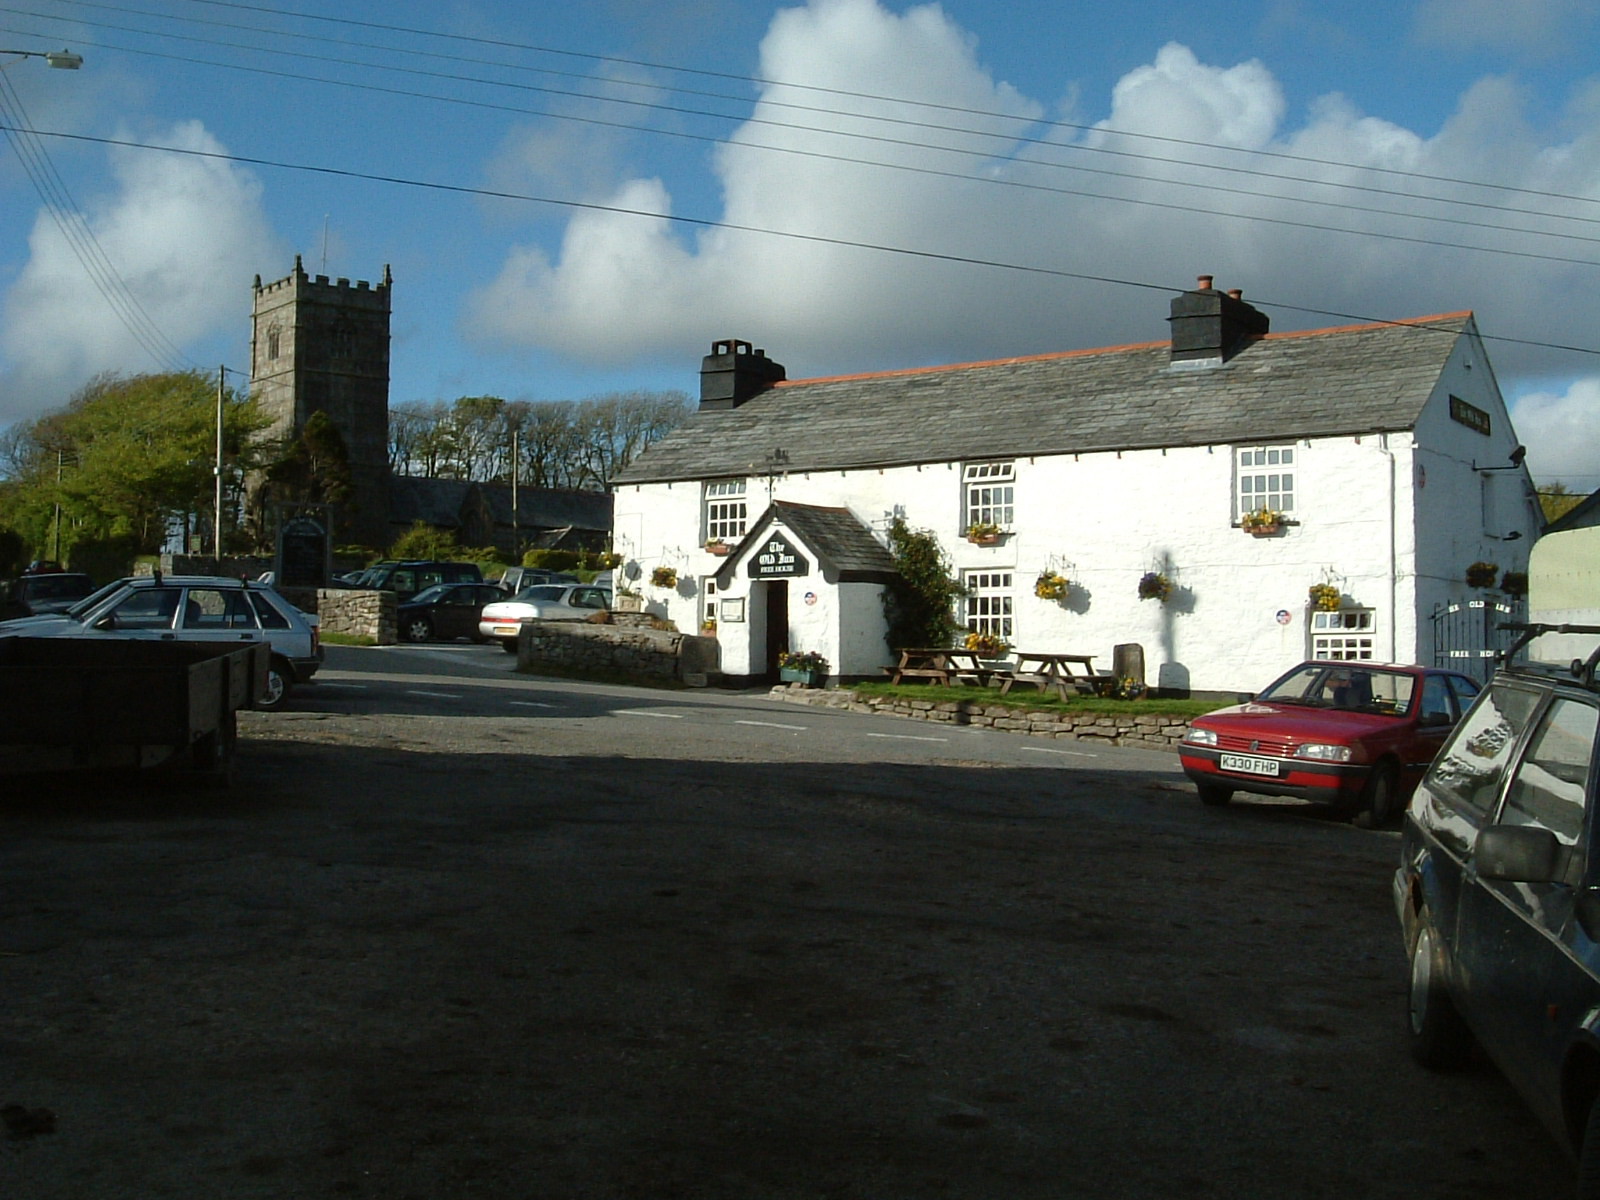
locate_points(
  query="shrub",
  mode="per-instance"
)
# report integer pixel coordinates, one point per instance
(553, 560)
(918, 604)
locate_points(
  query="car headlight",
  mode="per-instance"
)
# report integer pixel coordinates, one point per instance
(1200, 737)
(1324, 751)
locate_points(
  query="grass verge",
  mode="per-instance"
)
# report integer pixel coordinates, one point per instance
(1037, 701)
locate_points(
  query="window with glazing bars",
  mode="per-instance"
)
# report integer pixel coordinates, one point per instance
(990, 493)
(1346, 635)
(725, 513)
(1265, 479)
(987, 606)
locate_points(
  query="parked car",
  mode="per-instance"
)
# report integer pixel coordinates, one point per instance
(517, 578)
(1498, 895)
(446, 610)
(1355, 735)
(405, 579)
(44, 593)
(542, 602)
(193, 608)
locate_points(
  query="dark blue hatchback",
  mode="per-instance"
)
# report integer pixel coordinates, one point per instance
(1498, 893)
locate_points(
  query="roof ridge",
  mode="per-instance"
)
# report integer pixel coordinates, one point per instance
(1057, 355)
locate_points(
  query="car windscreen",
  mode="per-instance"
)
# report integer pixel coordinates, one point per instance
(1355, 687)
(541, 593)
(95, 599)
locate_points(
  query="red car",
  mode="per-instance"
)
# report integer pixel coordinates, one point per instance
(1353, 735)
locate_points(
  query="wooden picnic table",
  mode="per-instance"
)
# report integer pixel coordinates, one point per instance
(1049, 671)
(938, 665)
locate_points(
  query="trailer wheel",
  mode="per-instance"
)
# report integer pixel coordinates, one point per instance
(212, 755)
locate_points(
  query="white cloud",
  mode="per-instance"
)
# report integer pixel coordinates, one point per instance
(1562, 433)
(1537, 26)
(180, 231)
(1101, 204)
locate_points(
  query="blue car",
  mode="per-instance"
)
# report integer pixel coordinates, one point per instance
(1498, 894)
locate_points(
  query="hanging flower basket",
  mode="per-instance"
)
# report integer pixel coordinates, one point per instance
(1153, 585)
(1051, 585)
(1482, 574)
(1514, 583)
(1325, 597)
(719, 547)
(665, 577)
(1263, 522)
(984, 533)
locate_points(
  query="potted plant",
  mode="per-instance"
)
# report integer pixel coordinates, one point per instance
(984, 533)
(985, 645)
(628, 600)
(1051, 585)
(1153, 585)
(708, 627)
(1482, 574)
(1325, 597)
(806, 667)
(1263, 522)
(1514, 583)
(718, 547)
(664, 577)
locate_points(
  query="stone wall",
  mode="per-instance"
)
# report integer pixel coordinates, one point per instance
(627, 647)
(1156, 730)
(356, 612)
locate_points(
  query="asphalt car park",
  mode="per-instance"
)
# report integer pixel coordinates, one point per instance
(460, 931)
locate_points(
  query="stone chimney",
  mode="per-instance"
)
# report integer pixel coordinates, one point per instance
(734, 372)
(1209, 327)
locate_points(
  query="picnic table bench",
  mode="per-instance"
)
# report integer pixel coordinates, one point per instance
(940, 666)
(1053, 672)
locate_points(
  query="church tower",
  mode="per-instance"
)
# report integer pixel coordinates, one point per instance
(321, 346)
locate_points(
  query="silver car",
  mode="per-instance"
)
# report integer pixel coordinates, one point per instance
(503, 619)
(194, 608)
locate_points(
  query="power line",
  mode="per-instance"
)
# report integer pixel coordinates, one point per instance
(707, 223)
(1012, 138)
(1142, 202)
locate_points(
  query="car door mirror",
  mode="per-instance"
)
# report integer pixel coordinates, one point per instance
(1435, 720)
(1517, 854)
(1587, 910)
(109, 621)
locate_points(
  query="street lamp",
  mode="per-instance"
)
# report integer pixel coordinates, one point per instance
(62, 60)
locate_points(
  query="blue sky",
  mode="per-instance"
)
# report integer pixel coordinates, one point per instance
(579, 198)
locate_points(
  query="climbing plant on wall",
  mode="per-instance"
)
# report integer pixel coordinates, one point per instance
(919, 604)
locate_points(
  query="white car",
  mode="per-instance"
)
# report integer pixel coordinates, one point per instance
(193, 608)
(503, 619)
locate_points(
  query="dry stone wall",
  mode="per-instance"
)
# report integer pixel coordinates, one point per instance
(357, 612)
(625, 647)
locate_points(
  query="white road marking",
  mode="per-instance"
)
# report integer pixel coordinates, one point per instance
(355, 687)
(532, 704)
(645, 712)
(1068, 753)
(773, 725)
(907, 737)
(435, 695)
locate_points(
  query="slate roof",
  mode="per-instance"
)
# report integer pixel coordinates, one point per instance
(835, 535)
(1319, 383)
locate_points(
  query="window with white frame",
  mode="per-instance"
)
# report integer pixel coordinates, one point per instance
(1264, 478)
(1346, 635)
(990, 492)
(725, 513)
(987, 607)
(708, 601)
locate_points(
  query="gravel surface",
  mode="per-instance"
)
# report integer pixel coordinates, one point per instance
(425, 957)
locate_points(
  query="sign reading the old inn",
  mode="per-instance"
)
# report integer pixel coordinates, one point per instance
(777, 559)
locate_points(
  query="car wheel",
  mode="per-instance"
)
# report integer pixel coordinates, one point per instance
(509, 645)
(1589, 1156)
(1377, 806)
(1440, 1039)
(277, 690)
(418, 629)
(1214, 796)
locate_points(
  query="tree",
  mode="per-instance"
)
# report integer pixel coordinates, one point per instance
(919, 604)
(1557, 501)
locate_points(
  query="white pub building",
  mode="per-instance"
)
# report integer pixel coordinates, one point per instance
(1227, 469)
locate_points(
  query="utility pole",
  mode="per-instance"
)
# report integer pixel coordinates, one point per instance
(217, 528)
(516, 531)
(55, 550)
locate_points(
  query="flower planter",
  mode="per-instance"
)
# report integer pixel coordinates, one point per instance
(808, 678)
(720, 549)
(984, 539)
(1264, 530)
(624, 603)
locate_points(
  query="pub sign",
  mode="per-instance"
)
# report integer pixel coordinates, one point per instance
(777, 559)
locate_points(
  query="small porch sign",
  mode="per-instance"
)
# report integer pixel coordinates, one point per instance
(776, 558)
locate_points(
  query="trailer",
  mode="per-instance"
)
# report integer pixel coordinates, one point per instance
(70, 704)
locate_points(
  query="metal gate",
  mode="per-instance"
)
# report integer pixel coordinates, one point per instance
(1467, 636)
